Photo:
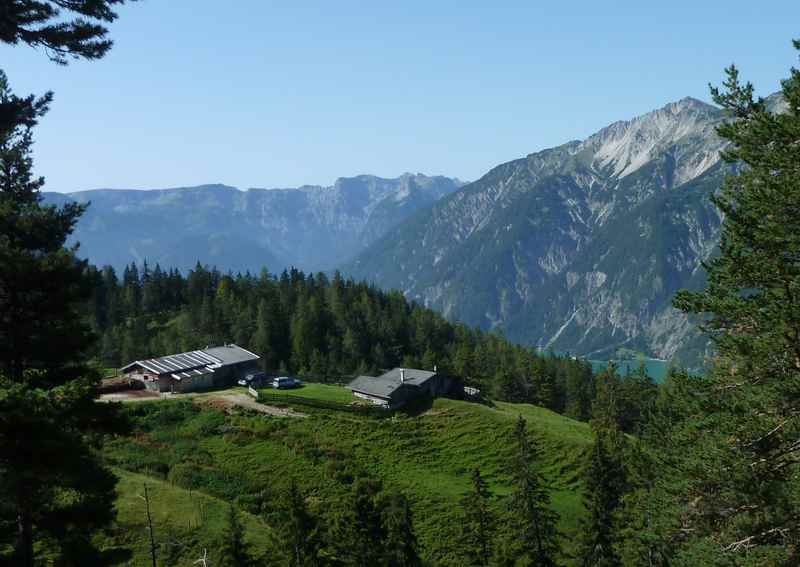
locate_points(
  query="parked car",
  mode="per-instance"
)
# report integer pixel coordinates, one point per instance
(253, 379)
(286, 382)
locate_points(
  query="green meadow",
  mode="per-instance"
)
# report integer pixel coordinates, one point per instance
(185, 522)
(427, 451)
(324, 392)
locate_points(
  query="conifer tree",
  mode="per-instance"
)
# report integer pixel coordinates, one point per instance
(262, 339)
(637, 394)
(234, 550)
(477, 530)
(605, 406)
(47, 468)
(579, 391)
(49, 479)
(532, 522)
(508, 386)
(604, 485)
(300, 532)
(400, 542)
(358, 531)
(604, 478)
(543, 384)
(47, 24)
(752, 305)
(652, 520)
(728, 470)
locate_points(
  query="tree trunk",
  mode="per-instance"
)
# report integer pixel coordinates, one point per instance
(24, 543)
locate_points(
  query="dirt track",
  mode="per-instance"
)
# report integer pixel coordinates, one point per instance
(131, 396)
(225, 399)
(245, 401)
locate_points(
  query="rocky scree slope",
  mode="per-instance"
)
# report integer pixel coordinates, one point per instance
(577, 248)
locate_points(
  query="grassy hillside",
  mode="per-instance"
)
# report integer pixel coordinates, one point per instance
(324, 392)
(427, 452)
(184, 522)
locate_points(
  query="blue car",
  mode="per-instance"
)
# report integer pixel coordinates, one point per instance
(286, 382)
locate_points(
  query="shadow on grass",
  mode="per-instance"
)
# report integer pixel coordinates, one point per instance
(482, 401)
(416, 407)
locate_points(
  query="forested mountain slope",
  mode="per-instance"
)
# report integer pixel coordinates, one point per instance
(326, 329)
(578, 248)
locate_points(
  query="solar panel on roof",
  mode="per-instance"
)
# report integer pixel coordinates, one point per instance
(147, 366)
(201, 361)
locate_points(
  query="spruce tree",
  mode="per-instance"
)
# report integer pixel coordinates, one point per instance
(652, 523)
(234, 550)
(637, 394)
(533, 523)
(509, 387)
(400, 542)
(300, 532)
(478, 527)
(357, 528)
(604, 478)
(542, 381)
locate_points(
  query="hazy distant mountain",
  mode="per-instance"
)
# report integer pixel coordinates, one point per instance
(580, 247)
(313, 228)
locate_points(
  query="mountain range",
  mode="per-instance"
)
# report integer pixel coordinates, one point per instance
(577, 248)
(311, 227)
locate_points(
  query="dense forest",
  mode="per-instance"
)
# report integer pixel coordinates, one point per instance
(328, 329)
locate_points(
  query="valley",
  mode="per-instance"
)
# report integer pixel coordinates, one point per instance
(577, 248)
(311, 227)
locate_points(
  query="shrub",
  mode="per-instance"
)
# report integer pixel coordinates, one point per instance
(220, 483)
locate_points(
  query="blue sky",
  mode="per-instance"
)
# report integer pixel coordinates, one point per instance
(256, 93)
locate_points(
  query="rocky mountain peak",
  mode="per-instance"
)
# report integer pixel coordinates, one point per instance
(776, 103)
(685, 129)
(579, 247)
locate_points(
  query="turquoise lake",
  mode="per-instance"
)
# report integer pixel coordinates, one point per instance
(656, 369)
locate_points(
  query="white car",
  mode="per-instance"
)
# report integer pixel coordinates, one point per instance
(254, 379)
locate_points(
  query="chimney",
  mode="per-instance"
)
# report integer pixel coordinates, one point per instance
(402, 375)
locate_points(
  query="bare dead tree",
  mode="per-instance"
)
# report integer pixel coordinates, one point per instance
(203, 560)
(146, 499)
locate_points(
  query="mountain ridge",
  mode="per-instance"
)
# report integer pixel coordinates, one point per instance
(578, 247)
(313, 227)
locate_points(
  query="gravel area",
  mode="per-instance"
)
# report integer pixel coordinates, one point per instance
(225, 399)
(245, 401)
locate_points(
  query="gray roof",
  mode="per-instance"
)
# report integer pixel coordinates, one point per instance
(231, 354)
(387, 383)
(210, 358)
(412, 376)
(373, 386)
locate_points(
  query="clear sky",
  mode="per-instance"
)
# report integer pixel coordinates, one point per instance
(256, 93)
